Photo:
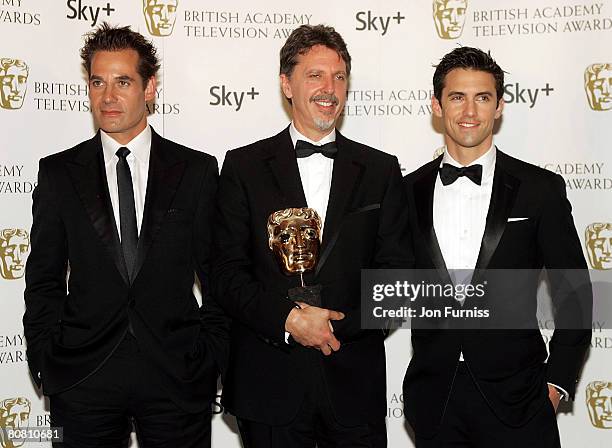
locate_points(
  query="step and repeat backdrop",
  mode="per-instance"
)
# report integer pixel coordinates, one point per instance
(218, 89)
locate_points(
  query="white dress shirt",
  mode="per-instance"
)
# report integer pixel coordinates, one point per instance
(316, 173)
(138, 161)
(316, 176)
(460, 212)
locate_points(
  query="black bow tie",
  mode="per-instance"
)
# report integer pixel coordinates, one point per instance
(305, 149)
(450, 173)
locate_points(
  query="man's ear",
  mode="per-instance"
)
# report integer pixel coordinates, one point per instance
(150, 89)
(436, 107)
(286, 86)
(500, 108)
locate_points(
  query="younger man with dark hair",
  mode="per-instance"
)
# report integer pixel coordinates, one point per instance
(476, 208)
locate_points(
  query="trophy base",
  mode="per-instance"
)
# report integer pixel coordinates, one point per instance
(307, 294)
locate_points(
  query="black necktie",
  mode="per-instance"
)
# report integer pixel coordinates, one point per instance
(450, 173)
(305, 149)
(127, 210)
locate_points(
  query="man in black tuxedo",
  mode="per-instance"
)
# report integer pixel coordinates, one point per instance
(128, 213)
(475, 207)
(301, 375)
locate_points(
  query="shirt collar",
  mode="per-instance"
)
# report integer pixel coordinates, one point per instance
(297, 135)
(139, 146)
(487, 160)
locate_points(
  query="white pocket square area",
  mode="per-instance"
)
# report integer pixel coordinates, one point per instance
(517, 219)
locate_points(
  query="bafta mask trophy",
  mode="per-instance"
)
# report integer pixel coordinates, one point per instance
(294, 235)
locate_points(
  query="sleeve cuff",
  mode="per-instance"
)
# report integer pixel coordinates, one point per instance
(563, 392)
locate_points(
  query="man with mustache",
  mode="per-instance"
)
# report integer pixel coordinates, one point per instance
(299, 375)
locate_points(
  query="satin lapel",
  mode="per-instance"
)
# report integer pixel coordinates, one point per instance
(89, 177)
(165, 173)
(423, 199)
(346, 177)
(282, 163)
(503, 195)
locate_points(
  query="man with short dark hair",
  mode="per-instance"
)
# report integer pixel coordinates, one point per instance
(129, 214)
(304, 375)
(476, 208)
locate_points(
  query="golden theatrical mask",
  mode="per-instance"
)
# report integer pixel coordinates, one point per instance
(160, 16)
(15, 416)
(599, 403)
(598, 86)
(294, 235)
(449, 17)
(13, 83)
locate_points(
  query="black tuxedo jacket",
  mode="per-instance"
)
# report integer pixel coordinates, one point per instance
(71, 331)
(365, 227)
(508, 365)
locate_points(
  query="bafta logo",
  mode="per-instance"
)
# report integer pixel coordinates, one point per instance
(449, 17)
(598, 239)
(13, 83)
(160, 16)
(14, 248)
(599, 403)
(14, 415)
(598, 86)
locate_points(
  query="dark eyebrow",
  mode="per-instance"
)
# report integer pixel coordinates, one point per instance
(120, 78)
(455, 92)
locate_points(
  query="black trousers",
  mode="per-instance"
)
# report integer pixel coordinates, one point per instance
(315, 424)
(125, 391)
(469, 422)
